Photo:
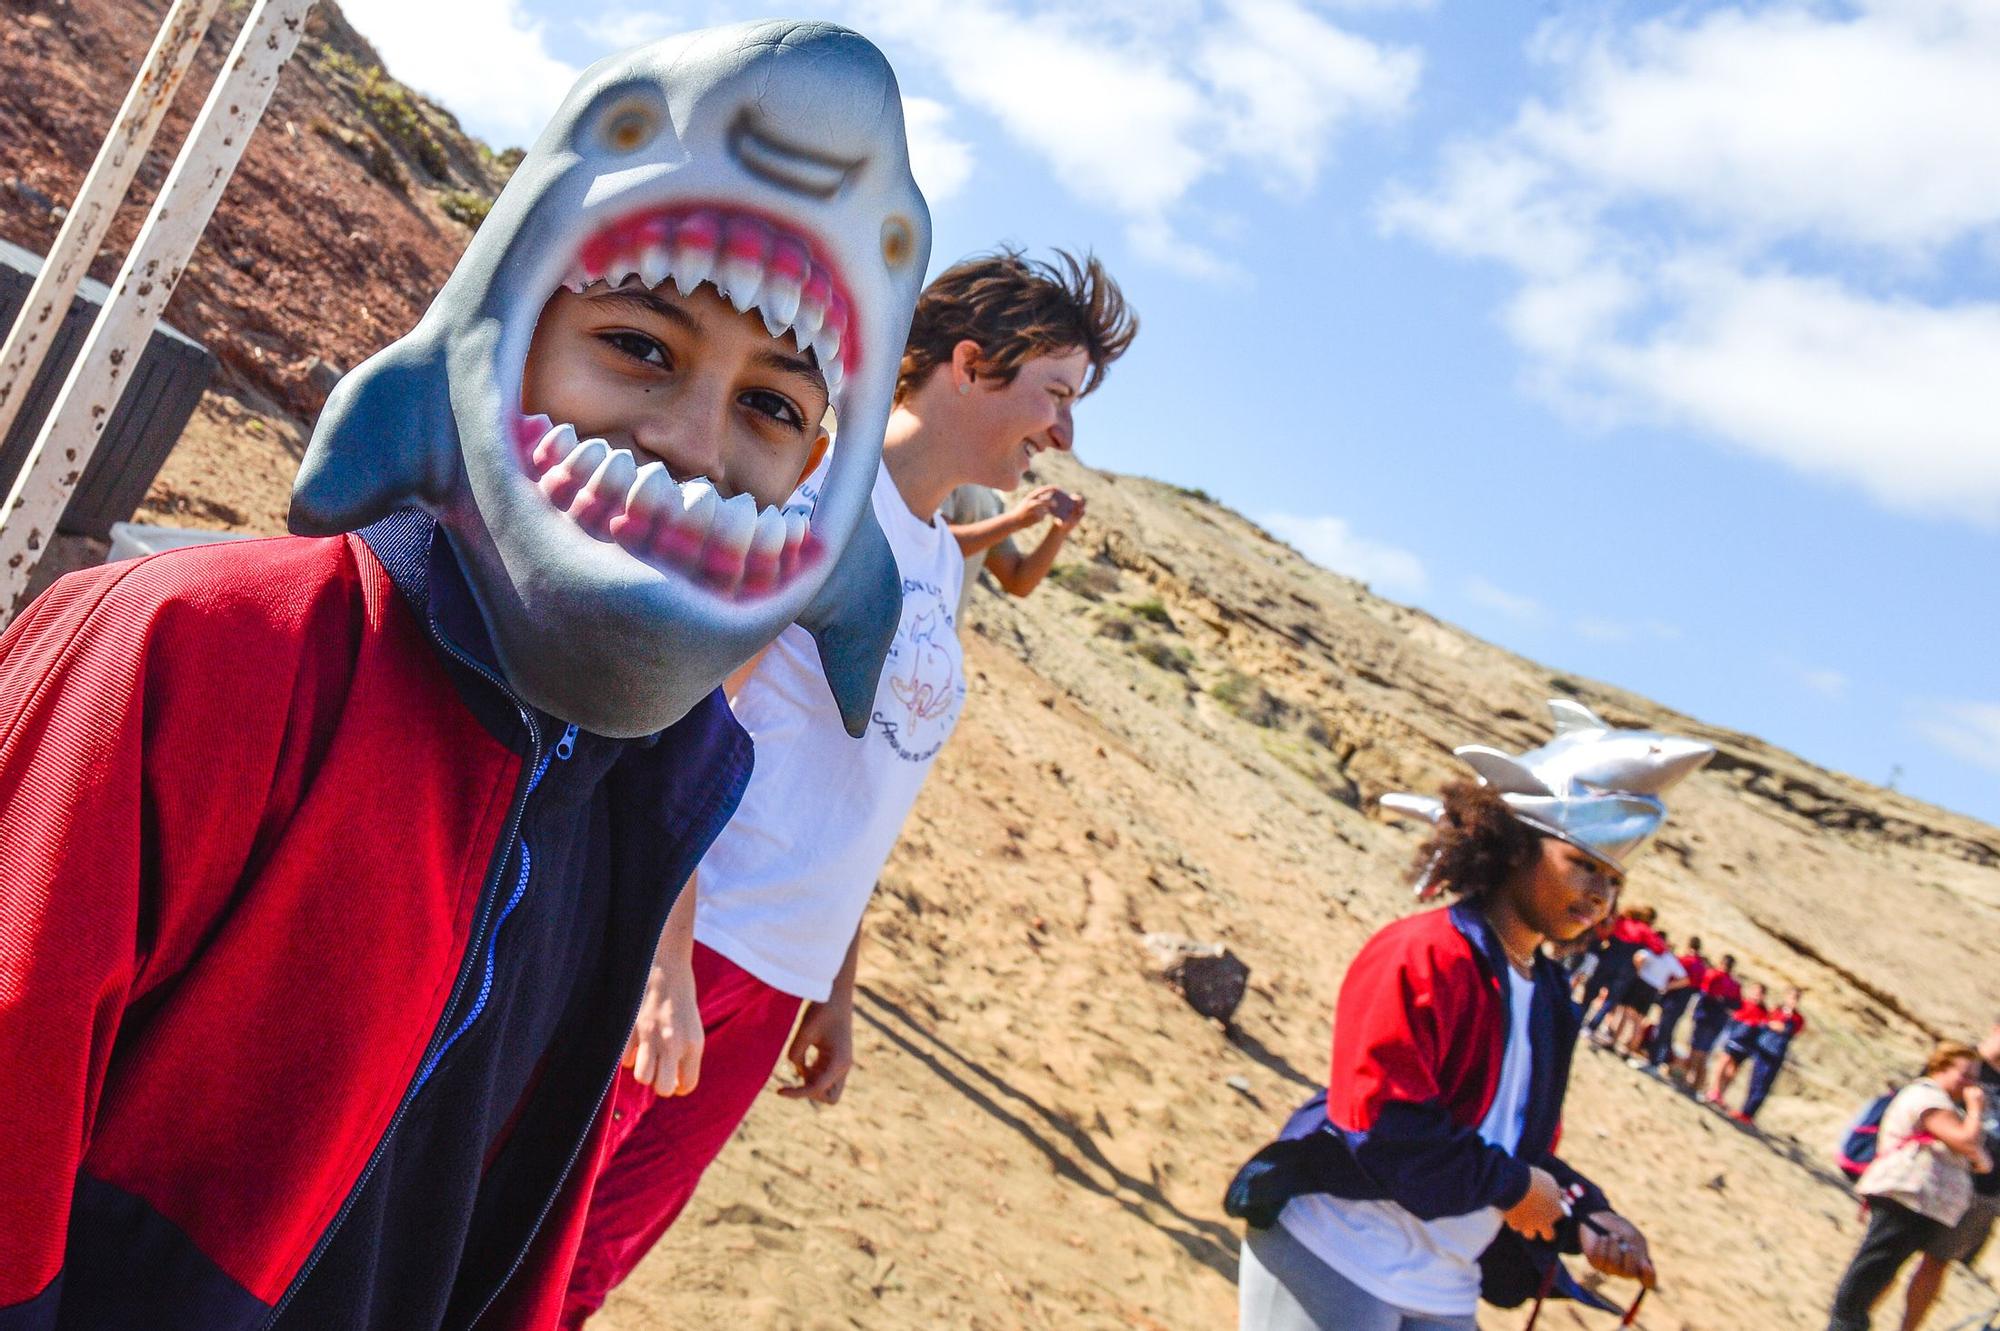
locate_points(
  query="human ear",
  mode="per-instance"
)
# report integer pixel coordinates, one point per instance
(965, 358)
(813, 456)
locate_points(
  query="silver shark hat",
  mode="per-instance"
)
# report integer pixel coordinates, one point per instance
(1595, 787)
(768, 159)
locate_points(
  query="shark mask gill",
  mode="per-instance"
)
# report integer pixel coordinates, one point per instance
(767, 159)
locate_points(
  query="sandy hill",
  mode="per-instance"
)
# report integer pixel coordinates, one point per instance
(1184, 732)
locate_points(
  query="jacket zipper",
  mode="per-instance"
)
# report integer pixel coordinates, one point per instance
(465, 970)
(564, 748)
(548, 1203)
(604, 1093)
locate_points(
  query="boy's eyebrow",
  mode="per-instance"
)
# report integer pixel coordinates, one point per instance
(652, 304)
(802, 366)
(805, 367)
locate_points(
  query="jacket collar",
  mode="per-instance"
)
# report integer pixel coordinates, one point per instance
(416, 554)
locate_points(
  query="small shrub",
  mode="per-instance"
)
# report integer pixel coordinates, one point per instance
(1092, 581)
(1196, 493)
(1154, 613)
(1118, 629)
(400, 114)
(465, 207)
(1166, 656)
(1251, 701)
(367, 148)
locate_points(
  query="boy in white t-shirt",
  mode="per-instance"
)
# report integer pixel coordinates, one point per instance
(999, 351)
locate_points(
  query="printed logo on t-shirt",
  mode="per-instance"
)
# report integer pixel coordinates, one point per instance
(921, 691)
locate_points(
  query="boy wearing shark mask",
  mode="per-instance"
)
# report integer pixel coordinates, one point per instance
(1000, 350)
(412, 801)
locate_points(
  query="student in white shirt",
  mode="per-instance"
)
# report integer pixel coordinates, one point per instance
(999, 352)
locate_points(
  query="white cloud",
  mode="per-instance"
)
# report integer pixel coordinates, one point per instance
(1965, 729)
(626, 28)
(1480, 591)
(941, 161)
(1827, 683)
(1737, 221)
(1331, 543)
(485, 61)
(1133, 106)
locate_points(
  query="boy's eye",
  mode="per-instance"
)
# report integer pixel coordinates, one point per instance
(775, 405)
(638, 346)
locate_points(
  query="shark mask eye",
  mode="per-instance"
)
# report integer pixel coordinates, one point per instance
(629, 125)
(898, 242)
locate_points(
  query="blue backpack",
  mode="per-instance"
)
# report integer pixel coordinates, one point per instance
(1857, 1147)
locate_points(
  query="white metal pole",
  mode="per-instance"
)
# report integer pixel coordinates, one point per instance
(186, 201)
(97, 201)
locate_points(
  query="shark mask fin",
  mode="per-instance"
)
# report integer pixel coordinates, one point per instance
(853, 621)
(386, 430)
(1574, 717)
(1403, 805)
(1502, 771)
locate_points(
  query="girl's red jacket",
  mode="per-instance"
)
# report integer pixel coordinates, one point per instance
(246, 824)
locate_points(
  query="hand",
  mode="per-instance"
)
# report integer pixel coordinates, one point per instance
(664, 1049)
(1975, 1101)
(1066, 522)
(822, 1053)
(1034, 506)
(1617, 1248)
(1536, 1215)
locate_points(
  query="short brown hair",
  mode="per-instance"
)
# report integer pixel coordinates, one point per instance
(1478, 843)
(1015, 309)
(1946, 1053)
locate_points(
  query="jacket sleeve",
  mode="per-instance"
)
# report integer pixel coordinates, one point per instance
(87, 731)
(1385, 1096)
(71, 826)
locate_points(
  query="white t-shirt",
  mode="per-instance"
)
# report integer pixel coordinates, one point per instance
(1424, 1266)
(782, 890)
(1660, 969)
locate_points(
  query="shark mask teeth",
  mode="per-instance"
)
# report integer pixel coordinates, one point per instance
(752, 262)
(730, 546)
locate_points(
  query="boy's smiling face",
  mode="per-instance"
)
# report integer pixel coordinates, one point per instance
(687, 381)
(1012, 422)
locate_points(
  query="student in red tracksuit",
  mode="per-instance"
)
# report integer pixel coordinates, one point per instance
(1451, 1051)
(1738, 1041)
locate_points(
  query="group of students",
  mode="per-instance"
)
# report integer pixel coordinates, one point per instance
(1636, 989)
(396, 919)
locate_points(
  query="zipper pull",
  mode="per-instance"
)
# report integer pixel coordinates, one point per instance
(567, 744)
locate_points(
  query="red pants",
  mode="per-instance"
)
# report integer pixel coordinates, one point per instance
(658, 1147)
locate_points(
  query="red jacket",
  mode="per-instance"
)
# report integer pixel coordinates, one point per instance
(246, 824)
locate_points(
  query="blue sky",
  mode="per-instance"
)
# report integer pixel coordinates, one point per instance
(1658, 343)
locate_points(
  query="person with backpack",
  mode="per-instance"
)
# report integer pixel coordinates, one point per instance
(1968, 1237)
(1423, 1178)
(1919, 1185)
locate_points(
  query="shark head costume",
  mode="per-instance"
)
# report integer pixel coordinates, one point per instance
(1593, 786)
(767, 159)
